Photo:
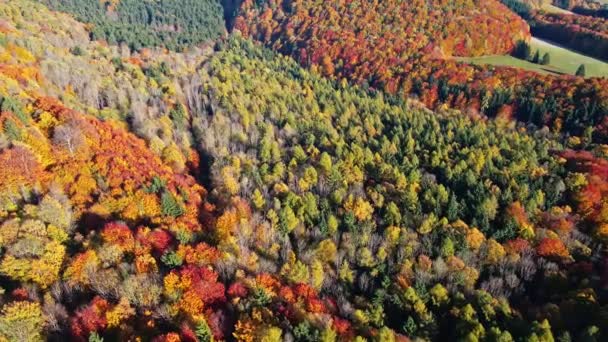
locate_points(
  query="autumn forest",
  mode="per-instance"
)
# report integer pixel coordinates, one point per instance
(301, 170)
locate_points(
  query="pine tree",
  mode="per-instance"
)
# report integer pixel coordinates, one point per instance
(536, 58)
(522, 50)
(170, 205)
(581, 71)
(546, 59)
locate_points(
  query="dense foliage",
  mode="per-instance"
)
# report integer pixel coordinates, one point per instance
(333, 212)
(174, 24)
(361, 46)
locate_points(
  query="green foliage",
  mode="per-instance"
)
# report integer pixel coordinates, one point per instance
(179, 116)
(171, 259)
(157, 185)
(11, 130)
(9, 104)
(521, 7)
(260, 297)
(174, 24)
(203, 332)
(304, 332)
(170, 205)
(522, 50)
(581, 71)
(94, 337)
(536, 58)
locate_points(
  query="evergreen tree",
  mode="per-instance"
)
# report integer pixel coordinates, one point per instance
(536, 58)
(522, 50)
(581, 71)
(546, 59)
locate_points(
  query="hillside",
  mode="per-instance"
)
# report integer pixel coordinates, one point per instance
(228, 193)
(364, 47)
(174, 24)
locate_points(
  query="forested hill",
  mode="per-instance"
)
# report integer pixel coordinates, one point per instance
(403, 47)
(330, 212)
(174, 24)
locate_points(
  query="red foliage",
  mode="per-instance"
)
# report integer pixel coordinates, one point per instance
(552, 247)
(516, 246)
(19, 168)
(203, 282)
(119, 234)
(20, 294)
(187, 334)
(237, 290)
(160, 240)
(341, 326)
(90, 318)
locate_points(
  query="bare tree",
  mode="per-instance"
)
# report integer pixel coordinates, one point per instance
(69, 136)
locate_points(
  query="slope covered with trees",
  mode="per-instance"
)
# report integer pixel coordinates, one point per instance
(431, 215)
(406, 56)
(174, 24)
(333, 212)
(583, 33)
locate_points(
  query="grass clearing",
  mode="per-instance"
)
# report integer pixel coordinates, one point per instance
(563, 61)
(511, 61)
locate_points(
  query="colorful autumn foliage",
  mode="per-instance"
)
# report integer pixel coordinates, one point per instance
(583, 33)
(339, 212)
(389, 46)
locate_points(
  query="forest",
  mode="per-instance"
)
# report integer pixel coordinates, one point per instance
(422, 67)
(296, 186)
(584, 33)
(174, 24)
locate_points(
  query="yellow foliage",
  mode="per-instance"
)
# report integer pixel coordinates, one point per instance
(174, 158)
(226, 224)
(229, 180)
(494, 252)
(439, 294)
(318, 275)
(244, 331)
(81, 267)
(392, 234)
(40, 146)
(44, 267)
(295, 270)
(157, 145)
(22, 54)
(258, 199)
(172, 285)
(346, 274)
(145, 264)
(21, 321)
(359, 207)
(119, 313)
(475, 238)
(360, 317)
(327, 251)
(9, 231)
(191, 303)
(270, 334)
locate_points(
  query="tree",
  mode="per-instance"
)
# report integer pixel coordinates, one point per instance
(170, 206)
(522, 50)
(536, 58)
(21, 321)
(69, 136)
(581, 71)
(546, 59)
